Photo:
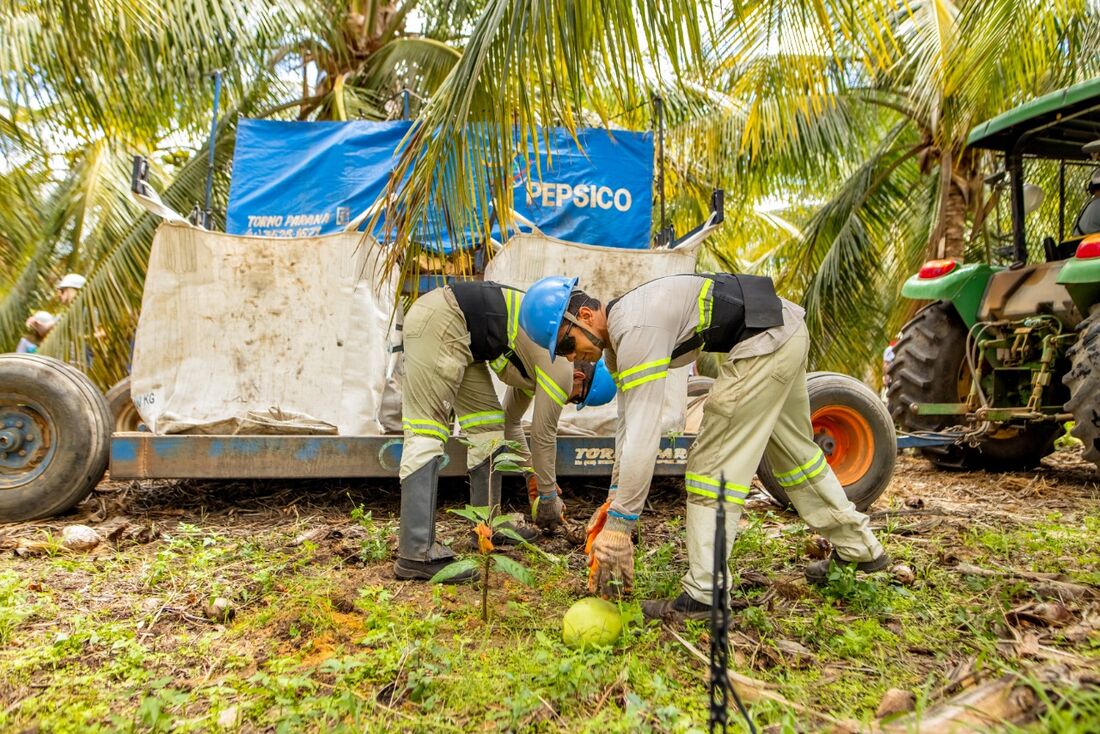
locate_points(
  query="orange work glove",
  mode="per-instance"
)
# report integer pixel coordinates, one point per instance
(611, 560)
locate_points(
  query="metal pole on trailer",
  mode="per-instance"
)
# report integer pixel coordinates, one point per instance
(207, 213)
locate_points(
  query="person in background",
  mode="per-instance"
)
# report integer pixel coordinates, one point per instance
(38, 326)
(68, 287)
(1088, 221)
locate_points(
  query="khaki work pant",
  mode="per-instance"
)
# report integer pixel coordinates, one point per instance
(442, 383)
(758, 406)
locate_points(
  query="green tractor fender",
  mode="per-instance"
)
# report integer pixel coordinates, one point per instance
(963, 287)
(1081, 277)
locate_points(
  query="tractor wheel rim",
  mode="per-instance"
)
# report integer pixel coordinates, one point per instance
(846, 438)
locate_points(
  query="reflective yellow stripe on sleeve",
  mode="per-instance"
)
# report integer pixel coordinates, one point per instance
(643, 373)
(550, 387)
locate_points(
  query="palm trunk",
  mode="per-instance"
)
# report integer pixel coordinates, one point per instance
(958, 201)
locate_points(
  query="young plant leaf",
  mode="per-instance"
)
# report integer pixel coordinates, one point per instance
(500, 520)
(473, 514)
(513, 535)
(508, 466)
(454, 569)
(514, 569)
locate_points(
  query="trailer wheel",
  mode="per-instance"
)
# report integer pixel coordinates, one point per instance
(853, 428)
(55, 432)
(125, 417)
(699, 385)
(930, 367)
(1083, 380)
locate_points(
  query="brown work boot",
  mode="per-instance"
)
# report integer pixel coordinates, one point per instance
(817, 573)
(676, 610)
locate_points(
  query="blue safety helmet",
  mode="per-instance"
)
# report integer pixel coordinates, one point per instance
(542, 309)
(602, 389)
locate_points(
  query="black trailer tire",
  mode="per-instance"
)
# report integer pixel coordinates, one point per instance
(930, 367)
(844, 412)
(124, 414)
(56, 429)
(1083, 381)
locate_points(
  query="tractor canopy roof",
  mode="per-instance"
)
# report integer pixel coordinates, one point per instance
(1055, 125)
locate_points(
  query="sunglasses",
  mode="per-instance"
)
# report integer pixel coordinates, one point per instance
(567, 344)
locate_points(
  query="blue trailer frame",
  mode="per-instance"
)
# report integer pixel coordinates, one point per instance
(145, 456)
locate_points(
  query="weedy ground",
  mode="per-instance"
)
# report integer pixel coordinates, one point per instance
(313, 633)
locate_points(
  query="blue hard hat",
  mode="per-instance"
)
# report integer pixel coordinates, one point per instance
(602, 389)
(542, 309)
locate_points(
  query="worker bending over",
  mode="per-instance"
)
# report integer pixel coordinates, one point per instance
(453, 336)
(758, 406)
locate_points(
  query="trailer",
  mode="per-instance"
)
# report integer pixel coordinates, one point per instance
(58, 434)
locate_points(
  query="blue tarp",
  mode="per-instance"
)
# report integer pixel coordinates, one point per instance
(293, 179)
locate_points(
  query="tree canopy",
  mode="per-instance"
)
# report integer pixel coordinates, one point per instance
(836, 127)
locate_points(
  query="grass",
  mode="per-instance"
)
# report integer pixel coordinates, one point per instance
(325, 640)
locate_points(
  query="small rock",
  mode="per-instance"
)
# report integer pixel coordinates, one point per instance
(228, 717)
(895, 701)
(903, 574)
(219, 610)
(151, 604)
(79, 538)
(914, 503)
(315, 535)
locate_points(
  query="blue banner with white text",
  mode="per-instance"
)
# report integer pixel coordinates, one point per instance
(299, 179)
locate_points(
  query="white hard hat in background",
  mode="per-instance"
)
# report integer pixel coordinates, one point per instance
(1033, 197)
(72, 280)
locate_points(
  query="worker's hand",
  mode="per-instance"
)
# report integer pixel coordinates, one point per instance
(611, 560)
(595, 525)
(549, 512)
(532, 487)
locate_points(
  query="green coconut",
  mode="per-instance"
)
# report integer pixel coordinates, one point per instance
(591, 622)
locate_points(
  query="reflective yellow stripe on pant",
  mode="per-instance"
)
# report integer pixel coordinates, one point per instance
(759, 405)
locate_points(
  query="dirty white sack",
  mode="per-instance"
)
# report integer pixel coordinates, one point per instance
(257, 335)
(605, 273)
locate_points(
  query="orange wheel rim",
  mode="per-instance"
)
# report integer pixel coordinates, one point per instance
(847, 440)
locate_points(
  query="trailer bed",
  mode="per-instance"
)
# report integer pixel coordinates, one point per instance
(147, 456)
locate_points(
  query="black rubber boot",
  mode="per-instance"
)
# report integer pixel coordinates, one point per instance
(419, 557)
(817, 573)
(680, 609)
(485, 492)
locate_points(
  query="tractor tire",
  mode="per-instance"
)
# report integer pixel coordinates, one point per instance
(856, 433)
(55, 433)
(125, 417)
(930, 367)
(1083, 381)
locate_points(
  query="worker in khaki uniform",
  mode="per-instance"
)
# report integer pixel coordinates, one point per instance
(453, 336)
(758, 406)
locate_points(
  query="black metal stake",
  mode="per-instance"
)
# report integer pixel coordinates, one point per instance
(719, 626)
(720, 687)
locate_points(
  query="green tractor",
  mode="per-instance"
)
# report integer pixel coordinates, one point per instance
(1005, 355)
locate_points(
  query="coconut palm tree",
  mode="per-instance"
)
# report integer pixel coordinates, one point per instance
(851, 116)
(86, 90)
